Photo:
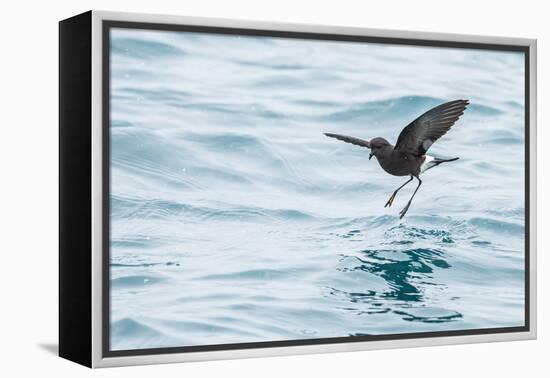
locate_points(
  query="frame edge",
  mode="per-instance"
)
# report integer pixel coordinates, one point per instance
(97, 355)
(75, 271)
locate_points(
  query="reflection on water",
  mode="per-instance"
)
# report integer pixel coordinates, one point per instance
(406, 273)
(402, 271)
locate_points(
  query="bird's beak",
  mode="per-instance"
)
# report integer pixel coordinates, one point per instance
(371, 155)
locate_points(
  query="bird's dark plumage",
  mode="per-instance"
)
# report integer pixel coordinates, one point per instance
(408, 157)
(352, 140)
(420, 134)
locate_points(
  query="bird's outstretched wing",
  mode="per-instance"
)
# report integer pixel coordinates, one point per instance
(420, 134)
(348, 139)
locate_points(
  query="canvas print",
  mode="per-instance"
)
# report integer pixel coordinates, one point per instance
(266, 189)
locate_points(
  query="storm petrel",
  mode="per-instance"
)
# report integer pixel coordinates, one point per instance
(408, 156)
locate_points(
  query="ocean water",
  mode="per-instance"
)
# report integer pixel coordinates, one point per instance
(234, 219)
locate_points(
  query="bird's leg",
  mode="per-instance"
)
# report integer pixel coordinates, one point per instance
(390, 201)
(404, 211)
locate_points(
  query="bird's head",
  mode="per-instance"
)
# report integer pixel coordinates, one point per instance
(376, 146)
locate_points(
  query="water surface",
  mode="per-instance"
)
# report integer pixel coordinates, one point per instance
(234, 219)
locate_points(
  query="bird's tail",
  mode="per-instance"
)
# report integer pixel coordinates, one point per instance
(432, 161)
(442, 160)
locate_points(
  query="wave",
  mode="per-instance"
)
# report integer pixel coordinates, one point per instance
(398, 108)
(136, 208)
(121, 123)
(129, 333)
(271, 65)
(483, 110)
(228, 142)
(256, 274)
(142, 265)
(143, 49)
(429, 315)
(135, 281)
(161, 95)
(446, 232)
(499, 226)
(383, 109)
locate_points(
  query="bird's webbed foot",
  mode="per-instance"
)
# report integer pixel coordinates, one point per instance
(390, 201)
(404, 211)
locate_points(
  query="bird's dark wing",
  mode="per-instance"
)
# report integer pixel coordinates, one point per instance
(420, 134)
(348, 139)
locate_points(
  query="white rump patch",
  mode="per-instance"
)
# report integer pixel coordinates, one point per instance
(428, 163)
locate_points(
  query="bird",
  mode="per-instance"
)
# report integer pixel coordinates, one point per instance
(408, 157)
